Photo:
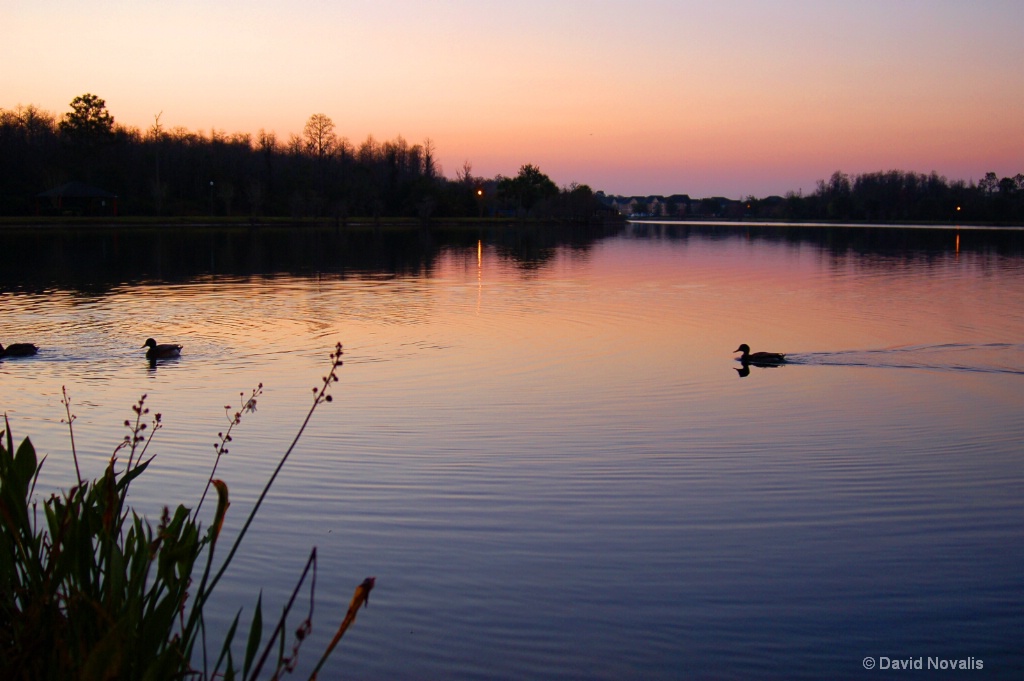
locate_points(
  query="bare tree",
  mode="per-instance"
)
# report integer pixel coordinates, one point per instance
(465, 175)
(989, 184)
(319, 136)
(430, 167)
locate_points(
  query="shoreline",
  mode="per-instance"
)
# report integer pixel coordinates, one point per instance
(762, 222)
(361, 224)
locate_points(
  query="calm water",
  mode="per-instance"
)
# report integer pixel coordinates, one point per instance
(544, 451)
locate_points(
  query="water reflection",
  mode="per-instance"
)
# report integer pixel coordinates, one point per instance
(997, 358)
(994, 358)
(866, 242)
(744, 368)
(94, 259)
(525, 420)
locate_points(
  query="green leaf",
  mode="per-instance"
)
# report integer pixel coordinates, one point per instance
(106, 658)
(25, 459)
(222, 507)
(135, 472)
(255, 632)
(6, 451)
(24, 468)
(116, 576)
(229, 672)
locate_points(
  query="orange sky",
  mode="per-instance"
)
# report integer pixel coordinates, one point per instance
(725, 98)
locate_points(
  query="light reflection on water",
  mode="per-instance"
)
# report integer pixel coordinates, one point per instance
(552, 467)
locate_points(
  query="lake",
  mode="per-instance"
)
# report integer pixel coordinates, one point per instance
(543, 447)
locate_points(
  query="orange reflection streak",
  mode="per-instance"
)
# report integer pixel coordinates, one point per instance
(479, 273)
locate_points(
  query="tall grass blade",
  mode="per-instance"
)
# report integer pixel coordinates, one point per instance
(255, 633)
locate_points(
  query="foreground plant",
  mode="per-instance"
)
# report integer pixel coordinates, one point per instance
(97, 592)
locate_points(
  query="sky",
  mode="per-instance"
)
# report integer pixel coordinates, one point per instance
(718, 98)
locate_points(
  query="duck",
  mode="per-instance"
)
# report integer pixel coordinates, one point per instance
(162, 351)
(759, 357)
(18, 350)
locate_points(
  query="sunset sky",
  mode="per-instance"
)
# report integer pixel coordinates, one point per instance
(731, 98)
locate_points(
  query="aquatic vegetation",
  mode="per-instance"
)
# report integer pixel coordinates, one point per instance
(91, 590)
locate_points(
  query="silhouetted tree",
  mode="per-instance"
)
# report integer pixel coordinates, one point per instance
(577, 202)
(30, 157)
(319, 136)
(528, 188)
(836, 195)
(989, 183)
(88, 122)
(88, 131)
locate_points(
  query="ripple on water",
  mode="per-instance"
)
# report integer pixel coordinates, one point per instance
(557, 473)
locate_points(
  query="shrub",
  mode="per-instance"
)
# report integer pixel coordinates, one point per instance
(97, 592)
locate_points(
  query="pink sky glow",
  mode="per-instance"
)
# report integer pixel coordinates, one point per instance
(727, 98)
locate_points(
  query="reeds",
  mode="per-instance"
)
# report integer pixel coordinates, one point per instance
(94, 591)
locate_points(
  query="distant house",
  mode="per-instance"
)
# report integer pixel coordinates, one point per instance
(76, 198)
(620, 203)
(654, 205)
(640, 206)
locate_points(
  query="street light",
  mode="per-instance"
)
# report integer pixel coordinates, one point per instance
(211, 198)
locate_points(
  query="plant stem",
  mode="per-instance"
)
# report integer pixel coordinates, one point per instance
(203, 593)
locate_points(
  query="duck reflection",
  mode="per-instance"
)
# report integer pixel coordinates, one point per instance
(744, 369)
(153, 362)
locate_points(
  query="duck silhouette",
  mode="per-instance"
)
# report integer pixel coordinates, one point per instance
(759, 357)
(162, 351)
(18, 350)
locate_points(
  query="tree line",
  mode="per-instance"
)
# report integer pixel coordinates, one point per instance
(317, 174)
(899, 196)
(877, 197)
(320, 174)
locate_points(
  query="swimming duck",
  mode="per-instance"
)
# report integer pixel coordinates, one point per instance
(162, 351)
(18, 350)
(759, 357)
